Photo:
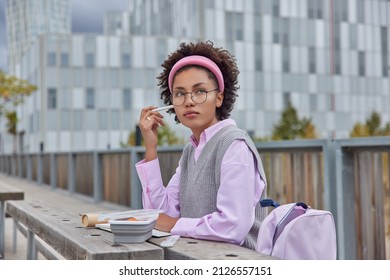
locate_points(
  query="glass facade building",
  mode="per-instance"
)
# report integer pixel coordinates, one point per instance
(27, 19)
(329, 58)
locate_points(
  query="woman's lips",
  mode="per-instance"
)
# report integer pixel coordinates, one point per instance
(190, 114)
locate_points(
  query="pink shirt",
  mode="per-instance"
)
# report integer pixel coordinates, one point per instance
(239, 192)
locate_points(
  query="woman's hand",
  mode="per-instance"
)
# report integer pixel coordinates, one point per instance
(165, 222)
(148, 123)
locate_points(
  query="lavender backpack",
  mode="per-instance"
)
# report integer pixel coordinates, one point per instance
(295, 231)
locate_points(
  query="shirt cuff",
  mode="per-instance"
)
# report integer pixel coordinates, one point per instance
(148, 173)
(185, 227)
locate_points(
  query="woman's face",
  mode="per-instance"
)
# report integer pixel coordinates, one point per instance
(195, 116)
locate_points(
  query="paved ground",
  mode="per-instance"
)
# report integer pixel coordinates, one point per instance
(33, 191)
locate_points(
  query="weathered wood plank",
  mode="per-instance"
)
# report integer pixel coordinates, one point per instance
(10, 193)
(195, 249)
(63, 231)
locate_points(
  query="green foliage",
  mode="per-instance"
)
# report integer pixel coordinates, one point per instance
(166, 137)
(372, 127)
(12, 90)
(12, 120)
(291, 127)
(261, 139)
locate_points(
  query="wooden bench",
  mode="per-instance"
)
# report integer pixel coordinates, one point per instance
(62, 230)
(195, 249)
(7, 192)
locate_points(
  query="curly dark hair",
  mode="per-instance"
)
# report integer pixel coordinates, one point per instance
(225, 61)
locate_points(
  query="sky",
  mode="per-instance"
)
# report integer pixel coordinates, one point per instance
(87, 17)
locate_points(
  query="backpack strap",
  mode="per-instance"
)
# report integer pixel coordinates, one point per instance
(266, 202)
(290, 215)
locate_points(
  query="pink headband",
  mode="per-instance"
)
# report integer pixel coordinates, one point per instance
(201, 61)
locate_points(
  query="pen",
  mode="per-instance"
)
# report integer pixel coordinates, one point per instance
(162, 108)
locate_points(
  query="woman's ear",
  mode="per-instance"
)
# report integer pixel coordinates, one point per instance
(219, 100)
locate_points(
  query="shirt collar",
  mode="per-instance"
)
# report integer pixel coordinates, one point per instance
(209, 132)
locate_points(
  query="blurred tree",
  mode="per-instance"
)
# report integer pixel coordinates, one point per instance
(13, 90)
(309, 131)
(386, 130)
(372, 127)
(359, 130)
(166, 137)
(12, 121)
(373, 124)
(291, 127)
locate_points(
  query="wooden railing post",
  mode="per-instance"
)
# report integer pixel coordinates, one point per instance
(97, 177)
(13, 165)
(346, 231)
(71, 173)
(29, 167)
(20, 165)
(53, 170)
(39, 168)
(136, 189)
(330, 176)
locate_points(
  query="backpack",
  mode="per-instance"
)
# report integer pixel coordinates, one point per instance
(295, 231)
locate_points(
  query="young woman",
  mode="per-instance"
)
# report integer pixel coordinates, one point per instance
(220, 179)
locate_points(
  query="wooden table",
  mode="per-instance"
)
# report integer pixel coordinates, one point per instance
(195, 249)
(62, 230)
(7, 192)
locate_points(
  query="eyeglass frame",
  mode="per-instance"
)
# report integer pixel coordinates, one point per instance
(192, 96)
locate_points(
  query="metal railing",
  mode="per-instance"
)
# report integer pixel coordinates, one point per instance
(348, 177)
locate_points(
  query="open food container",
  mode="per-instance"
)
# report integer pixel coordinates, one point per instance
(134, 226)
(132, 231)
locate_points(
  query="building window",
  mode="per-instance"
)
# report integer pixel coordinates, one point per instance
(286, 99)
(337, 62)
(115, 122)
(234, 26)
(65, 123)
(239, 27)
(229, 26)
(78, 120)
(126, 99)
(313, 102)
(384, 48)
(103, 119)
(332, 103)
(51, 59)
(285, 32)
(360, 11)
(90, 98)
(64, 59)
(89, 60)
(51, 98)
(126, 60)
(276, 31)
(361, 64)
(312, 60)
(286, 59)
(276, 8)
(320, 9)
(114, 78)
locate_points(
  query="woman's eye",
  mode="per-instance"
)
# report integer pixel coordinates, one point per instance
(180, 93)
(200, 91)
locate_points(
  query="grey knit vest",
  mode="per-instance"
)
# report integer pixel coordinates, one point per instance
(200, 180)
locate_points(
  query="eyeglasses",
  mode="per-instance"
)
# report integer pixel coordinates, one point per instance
(199, 96)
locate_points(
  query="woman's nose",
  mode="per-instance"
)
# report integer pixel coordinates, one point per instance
(188, 99)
